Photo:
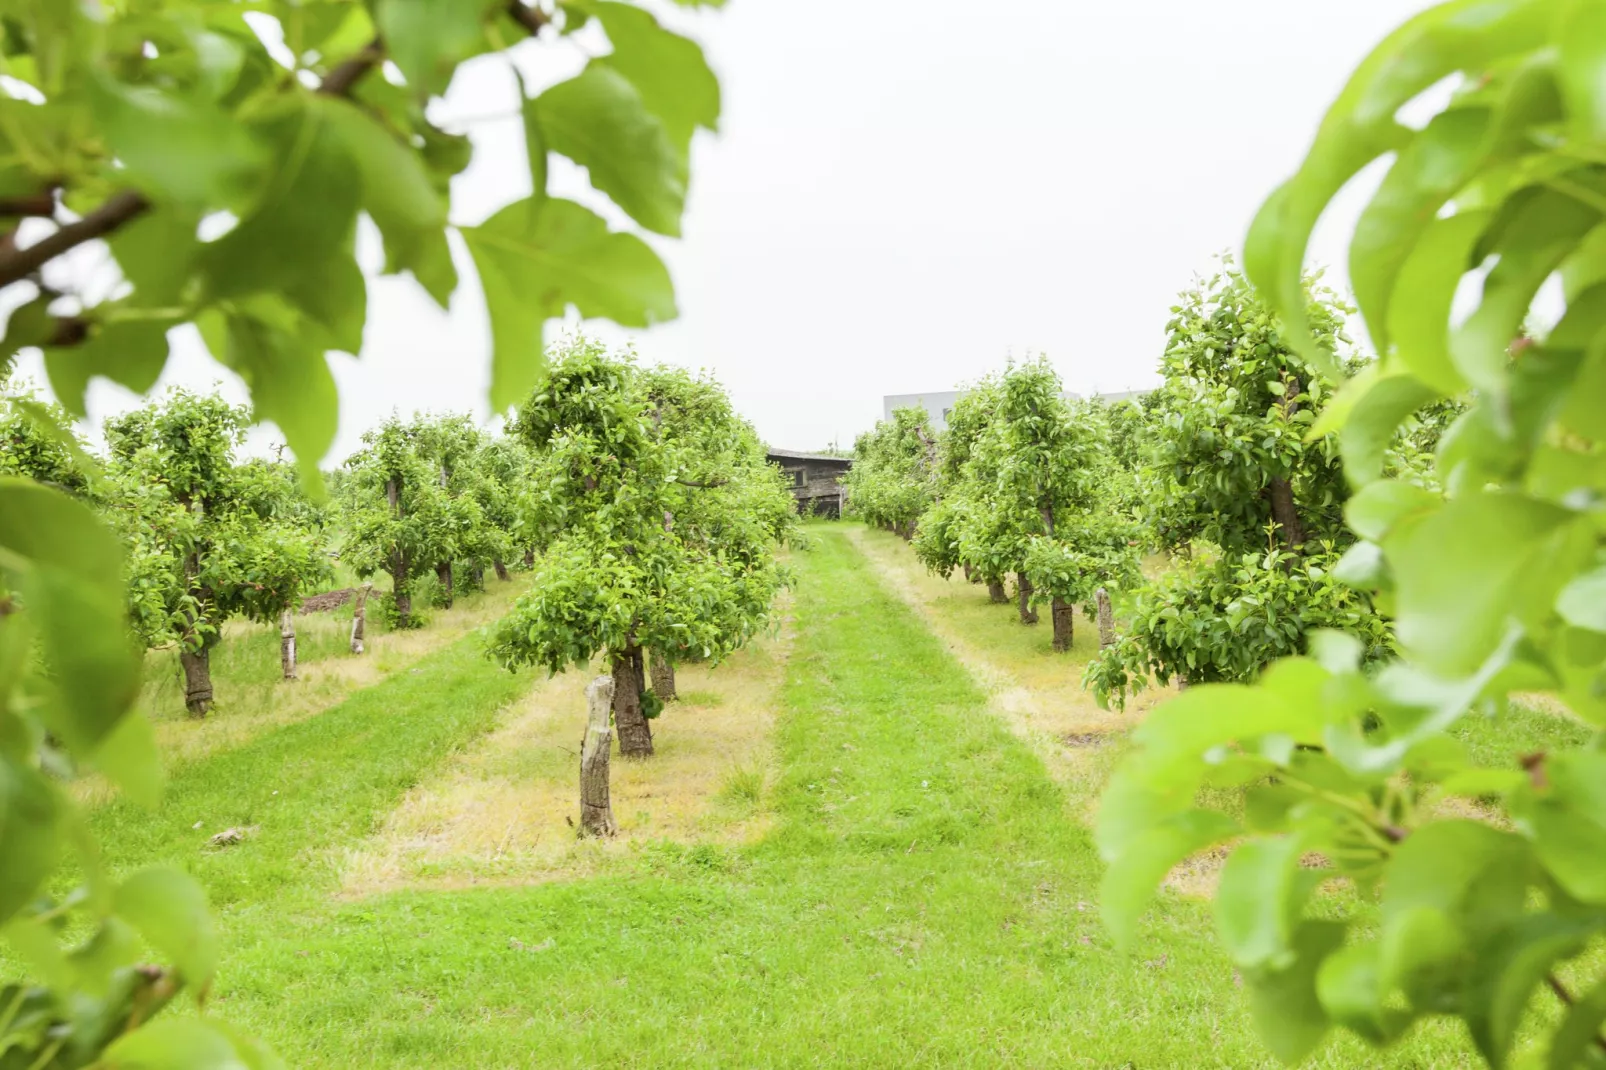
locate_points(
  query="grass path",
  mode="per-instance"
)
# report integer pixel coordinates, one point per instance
(922, 900)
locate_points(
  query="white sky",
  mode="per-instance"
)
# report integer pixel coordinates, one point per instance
(905, 192)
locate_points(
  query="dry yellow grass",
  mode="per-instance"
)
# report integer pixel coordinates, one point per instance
(247, 709)
(503, 813)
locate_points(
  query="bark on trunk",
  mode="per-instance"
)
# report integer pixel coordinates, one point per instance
(197, 667)
(287, 644)
(1283, 511)
(1106, 619)
(1023, 591)
(404, 602)
(359, 616)
(529, 559)
(1064, 624)
(443, 573)
(970, 574)
(501, 569)
(635, 733)
(663, 677)
(995, 592)
(596, 810)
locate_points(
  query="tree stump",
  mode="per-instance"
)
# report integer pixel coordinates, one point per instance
(663, 677)
(287, 643)
(359, 616)
(1106, 619)
(1023, 590)
(596, 810)
(1064, 614)
(635, 734)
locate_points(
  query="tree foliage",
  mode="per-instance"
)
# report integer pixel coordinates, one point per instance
(1234, 479)
(891, 481)
(1492, 571)
(656, 514)
(141, 127)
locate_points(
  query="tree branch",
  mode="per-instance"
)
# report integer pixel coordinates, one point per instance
(339, 82)
(41, 204)
(703, 486)
(531, 18)
(120, 208)
(1566, 998)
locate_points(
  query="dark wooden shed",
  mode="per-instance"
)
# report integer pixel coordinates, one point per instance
(815, 479)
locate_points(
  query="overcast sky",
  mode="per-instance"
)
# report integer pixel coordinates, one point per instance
(906, 192)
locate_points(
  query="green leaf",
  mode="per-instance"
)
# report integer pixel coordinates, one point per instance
(1419, 312)
(1351, 989)
(1258, 904)
(1377, 508)
(1507, 972)
(1581, 41)
(1426, 174)
(1468, 871)
(1572, 1043)
(298, 241)
(1131, 880)
(30, 813)
(169, 910)
(1283, 1002)
(426, 39)
(1372, 423)
(670, 71)
(182, 1044)
(1583, 601)
(1361, 126)
(1567, 822)
(129, 758)
(569, 258)
(398, 194)
(599, 121)
(131, 353)
(1464, 570)
(535, 148)
(176, 149)
(1544, 229)
(157, 252)
(68, 568)
(290, 383)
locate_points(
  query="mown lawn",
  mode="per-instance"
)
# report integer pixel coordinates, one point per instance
(922, 898)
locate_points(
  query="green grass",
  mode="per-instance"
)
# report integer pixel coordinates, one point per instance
(922, 900)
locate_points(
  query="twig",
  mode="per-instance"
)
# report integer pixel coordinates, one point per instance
(339, 82)
(1566, 998)
(531, 18)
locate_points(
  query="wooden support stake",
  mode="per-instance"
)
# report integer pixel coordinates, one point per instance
(287, 643)
(596, 811)
(359, 614)
(1106, 619)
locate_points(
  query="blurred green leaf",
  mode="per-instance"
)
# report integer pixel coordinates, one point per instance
(169, 910)
(1131, 880)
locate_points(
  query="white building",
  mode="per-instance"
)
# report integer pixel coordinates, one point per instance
(939, 403)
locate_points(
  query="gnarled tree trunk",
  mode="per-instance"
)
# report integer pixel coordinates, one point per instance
(287, 643)
(596, 809)
(1064, 614)
(635, 733)
(359, 616)
(501, 569)
(1106, 619)
(1023, 591)
(663, 677)
(443, 573)
(995, 591)
(197, 666)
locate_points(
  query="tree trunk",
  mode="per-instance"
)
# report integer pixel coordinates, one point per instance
(501, 569)
(1023, 591)
(443, 573)
(1106, 619)
(1283, 511)
(477, 574)
(596, 810)
(359, 616)
(1064, 624)
(1182, 682)
(404, 600)
(635, 734)
(663, 677)
(995, 591)
(287, 643)
(529, 558)
(197, 666)
(970, 573)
